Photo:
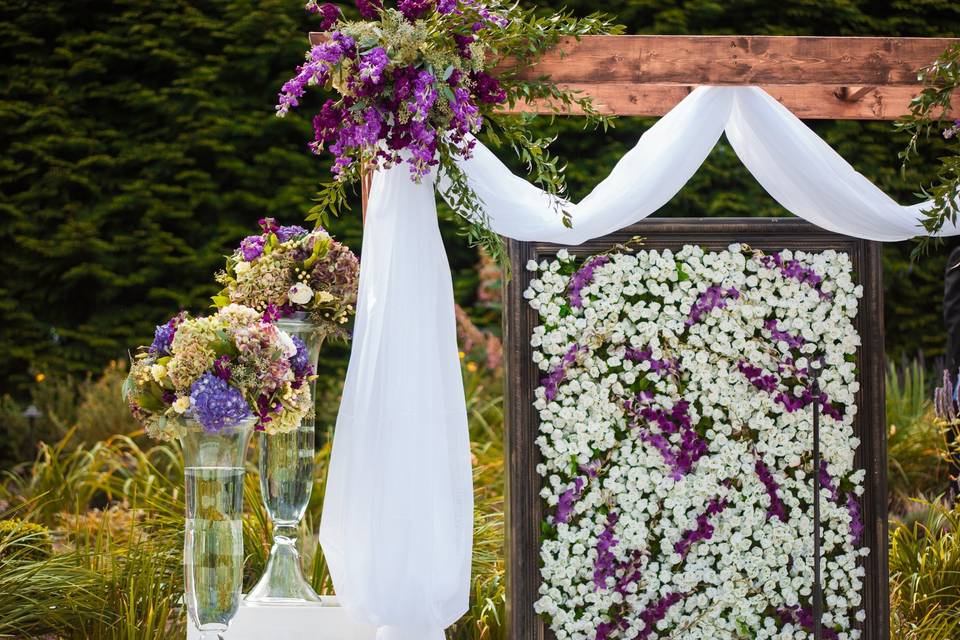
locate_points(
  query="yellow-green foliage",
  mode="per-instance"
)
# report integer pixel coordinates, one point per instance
(925, 576)
(25, 541)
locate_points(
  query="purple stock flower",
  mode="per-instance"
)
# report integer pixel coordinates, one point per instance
(251, 247)
(423, 95)
(856, 521)
(551, 382)
(446, 6)
(488, 88)
(583, 277)
(329, 14)
(713, 298)
(796, 271)
(776, 509)
(703, 530)
(569, 498)
(372, 65)
(369, 8)
(794, 342)
(215, 404)
(463, 45)
(414, 9)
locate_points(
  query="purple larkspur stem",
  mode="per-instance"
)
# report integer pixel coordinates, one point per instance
(605, 566)
(776, 509)
(856, 522)
(756, 376)
(803, 616)
(656, 612)
(703, 529)
(646, 355)
(551, 382)
(715, 297)
(794, 342)
(826, 481)
(794, 270)
(568, 499)
(583, 277)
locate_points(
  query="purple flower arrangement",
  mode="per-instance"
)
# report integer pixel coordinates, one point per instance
(412, 85)
(703, 530)
(646, 355)
(679, 457)
(284, 270)
(219, 371)
(794, 342)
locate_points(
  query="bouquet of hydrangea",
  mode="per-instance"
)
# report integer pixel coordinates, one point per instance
(219, 370)
(287, 269)
(416, 81)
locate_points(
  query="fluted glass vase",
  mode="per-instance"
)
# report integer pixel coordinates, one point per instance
(286, 465)
(213, 464)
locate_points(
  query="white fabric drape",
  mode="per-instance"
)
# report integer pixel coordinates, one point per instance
(397, 518)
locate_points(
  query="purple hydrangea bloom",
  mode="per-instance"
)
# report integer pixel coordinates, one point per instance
(163, 337)
(285, 234)
(583, 277)
(215, 404)
(251, 247)
(300, 362)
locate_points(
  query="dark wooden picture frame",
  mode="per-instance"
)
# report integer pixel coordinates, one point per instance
(524, 506)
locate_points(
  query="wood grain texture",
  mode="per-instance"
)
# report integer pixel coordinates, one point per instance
(811, 102)
(524, 505)
(739, 60)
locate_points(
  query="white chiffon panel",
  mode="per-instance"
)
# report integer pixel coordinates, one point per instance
(398, 512)
(397, 518)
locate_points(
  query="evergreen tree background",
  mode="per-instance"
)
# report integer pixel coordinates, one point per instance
(138, 145)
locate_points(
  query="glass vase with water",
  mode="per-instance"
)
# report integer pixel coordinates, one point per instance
(213, 540)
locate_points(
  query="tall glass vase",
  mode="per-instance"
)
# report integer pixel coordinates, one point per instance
(286, 482)
(213, 464)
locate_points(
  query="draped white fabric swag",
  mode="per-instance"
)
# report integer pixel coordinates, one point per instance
(398, 513)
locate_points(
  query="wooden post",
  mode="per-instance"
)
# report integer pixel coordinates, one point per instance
(366, 179)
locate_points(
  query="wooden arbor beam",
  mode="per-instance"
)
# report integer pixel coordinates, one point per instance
(831, 78)
(815, 77)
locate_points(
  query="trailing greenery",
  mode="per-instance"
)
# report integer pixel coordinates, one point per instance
(929, 116)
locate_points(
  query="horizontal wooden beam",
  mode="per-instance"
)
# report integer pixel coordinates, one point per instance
(739, 60)
(811, 102)
(835, 78)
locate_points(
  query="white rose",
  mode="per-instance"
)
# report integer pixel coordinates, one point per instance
(181, 404)
(300, 293)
